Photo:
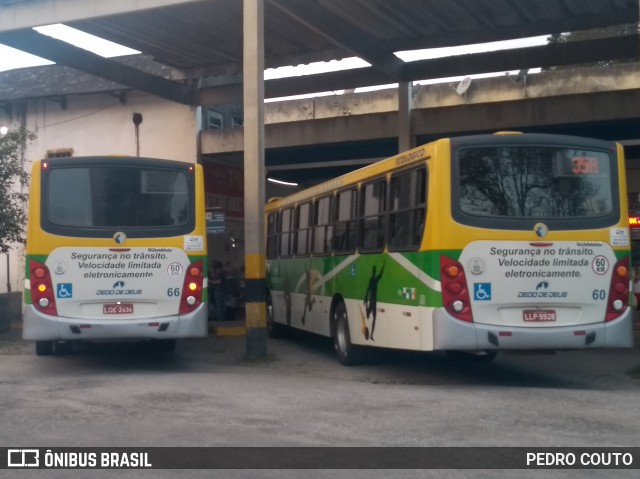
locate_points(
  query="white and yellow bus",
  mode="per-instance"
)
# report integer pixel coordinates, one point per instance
(116, 250)
(475, 244)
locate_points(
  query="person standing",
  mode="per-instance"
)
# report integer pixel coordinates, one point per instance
(218, 289)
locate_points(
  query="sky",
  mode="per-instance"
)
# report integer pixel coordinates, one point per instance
(11, 58)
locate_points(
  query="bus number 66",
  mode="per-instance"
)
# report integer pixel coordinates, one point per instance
(173, 292)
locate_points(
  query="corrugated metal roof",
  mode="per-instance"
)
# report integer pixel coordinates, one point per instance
(208, 34)
(204, 39)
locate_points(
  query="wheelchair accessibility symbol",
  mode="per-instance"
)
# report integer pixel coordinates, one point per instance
(64, 290)
(482, 291)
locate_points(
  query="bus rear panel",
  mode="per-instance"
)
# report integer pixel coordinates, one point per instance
(116, 249)
(562, 281)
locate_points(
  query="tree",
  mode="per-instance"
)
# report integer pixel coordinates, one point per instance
(13, 183)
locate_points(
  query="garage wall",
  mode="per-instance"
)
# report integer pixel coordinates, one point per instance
(99, 124)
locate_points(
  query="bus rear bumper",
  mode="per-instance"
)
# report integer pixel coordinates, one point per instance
(41, 327)
(452, 334)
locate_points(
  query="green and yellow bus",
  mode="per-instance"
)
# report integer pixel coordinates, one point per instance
(116, 250)
(474, 244)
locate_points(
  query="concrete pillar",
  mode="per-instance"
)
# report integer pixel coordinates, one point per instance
(254, 187)
(405, 140)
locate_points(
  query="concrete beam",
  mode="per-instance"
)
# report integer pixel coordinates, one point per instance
(34, 13)
(441, 121)
(539, 112)
(63, 53)
(300, 133)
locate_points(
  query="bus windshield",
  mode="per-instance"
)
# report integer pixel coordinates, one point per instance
(535, 182)
(117, 197)
(92, 198)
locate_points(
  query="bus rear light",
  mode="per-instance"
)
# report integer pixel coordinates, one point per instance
(618, 290)
(192, 288)
(455, 295)
(452, 271)
(42, 295)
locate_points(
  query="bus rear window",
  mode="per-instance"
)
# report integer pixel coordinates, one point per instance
(534, 182)
(108, 198)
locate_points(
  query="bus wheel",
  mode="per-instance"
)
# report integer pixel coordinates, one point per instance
(275, 330)
(347, 353)
(44, 348)
(476, 356)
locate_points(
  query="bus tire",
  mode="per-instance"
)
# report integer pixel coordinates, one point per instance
(275, 330)
(348, 354)
(44, 348)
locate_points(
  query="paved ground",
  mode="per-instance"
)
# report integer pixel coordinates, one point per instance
(207, 394)
(311, 356)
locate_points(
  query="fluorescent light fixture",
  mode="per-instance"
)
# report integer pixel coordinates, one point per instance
(280, 182)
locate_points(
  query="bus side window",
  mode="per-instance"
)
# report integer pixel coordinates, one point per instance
(323, 230)
(345, 227)
(272, 236)
(407, 209)
(303, 222)
(372, 209)
(285, 226)
(419, 221)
